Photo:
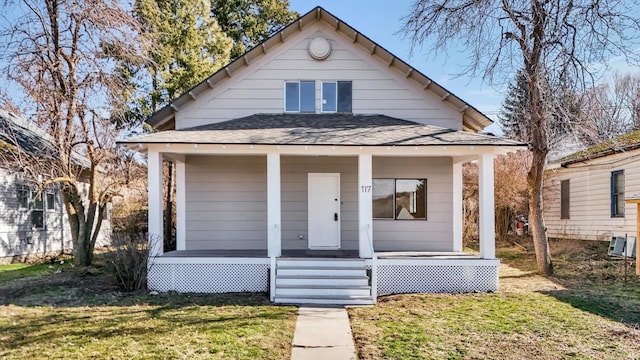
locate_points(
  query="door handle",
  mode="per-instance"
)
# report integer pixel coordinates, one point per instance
(335, 216)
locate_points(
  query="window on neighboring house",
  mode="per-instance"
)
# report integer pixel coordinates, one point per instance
(37, 211)
(617, 193)
(23, 198)
(336, 96)
(51, 201)
(564, 199)
(400, 199)
(300, 96)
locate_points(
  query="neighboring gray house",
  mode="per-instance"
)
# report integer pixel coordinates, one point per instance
(31, 223)
(585, 192)
(323, 169)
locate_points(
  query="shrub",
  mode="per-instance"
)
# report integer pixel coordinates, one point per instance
(127, 261)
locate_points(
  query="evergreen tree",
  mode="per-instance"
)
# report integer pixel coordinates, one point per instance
(513, 116)
(249, 22)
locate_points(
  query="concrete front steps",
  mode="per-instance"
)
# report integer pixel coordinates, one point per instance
(330, 281)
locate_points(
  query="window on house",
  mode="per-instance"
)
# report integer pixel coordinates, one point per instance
(564, 199)
(400, 199)
(51, 201)
(617, 193)
(300, 96)
(23, 198)
(336, 96)
(37, 211)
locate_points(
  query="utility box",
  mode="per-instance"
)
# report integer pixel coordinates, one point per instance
(618, 246)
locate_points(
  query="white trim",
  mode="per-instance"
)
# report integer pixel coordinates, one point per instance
(486, 205)
(274, 231)
(181, 206)
(365, 205)
(428, 151)
(154, 168)
(210, 260)
(440, 262)
(457, 206)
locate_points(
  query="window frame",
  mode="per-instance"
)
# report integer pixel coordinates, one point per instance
(299, 95)
(38, 210)
(50, 206)
(24, 198)
(565, 195)
(616, 211)
(337, 84)
(394, 200)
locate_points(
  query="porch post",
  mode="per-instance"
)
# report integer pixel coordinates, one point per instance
(154, 168)
(181, 195)
(365, 205)
(274, 239)
(457, 206)
(486, 204)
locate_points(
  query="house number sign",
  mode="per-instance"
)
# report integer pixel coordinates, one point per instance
(365, 188)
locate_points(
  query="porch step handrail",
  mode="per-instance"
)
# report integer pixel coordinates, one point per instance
(272, 278)
(374, 266)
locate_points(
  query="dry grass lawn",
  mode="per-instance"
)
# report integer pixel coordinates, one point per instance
(63, 313)
(585, 311)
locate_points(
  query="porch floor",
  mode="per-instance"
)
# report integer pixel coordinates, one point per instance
(258, 253)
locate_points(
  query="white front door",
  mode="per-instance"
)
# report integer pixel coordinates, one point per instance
(324, 211)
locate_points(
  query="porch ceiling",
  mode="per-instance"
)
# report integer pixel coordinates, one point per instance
(321, 129)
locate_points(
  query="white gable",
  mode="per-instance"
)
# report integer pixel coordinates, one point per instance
(377, 87)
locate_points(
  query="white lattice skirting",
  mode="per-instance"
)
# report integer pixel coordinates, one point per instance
(209, 277)
(456, 276)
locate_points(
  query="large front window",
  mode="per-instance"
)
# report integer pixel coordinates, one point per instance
(400, 199)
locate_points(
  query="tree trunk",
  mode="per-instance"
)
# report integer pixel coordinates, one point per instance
(536, 221)
(539, 150)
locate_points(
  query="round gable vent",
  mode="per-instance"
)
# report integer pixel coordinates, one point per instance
(319, 48)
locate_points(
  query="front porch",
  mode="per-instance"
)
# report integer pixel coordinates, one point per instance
(333, 209)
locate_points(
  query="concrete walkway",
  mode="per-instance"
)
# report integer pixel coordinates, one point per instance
(323, 333)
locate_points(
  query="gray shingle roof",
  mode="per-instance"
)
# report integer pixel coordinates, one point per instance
(321, 129)
(16, 131)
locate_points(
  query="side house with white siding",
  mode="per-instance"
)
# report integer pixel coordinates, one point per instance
(320, 168)
(32, 222)
(584, 193)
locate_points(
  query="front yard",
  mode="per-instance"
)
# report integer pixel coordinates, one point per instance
(585, 311)
(62, 313)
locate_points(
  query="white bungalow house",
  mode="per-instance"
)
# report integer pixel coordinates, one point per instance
(585, 192)
(32, 222)
(322, 169)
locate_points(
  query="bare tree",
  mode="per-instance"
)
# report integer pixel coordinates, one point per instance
(58, 53)
(557, 41)
(611, 109)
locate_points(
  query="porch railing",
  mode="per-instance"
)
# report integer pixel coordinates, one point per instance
(374, 266)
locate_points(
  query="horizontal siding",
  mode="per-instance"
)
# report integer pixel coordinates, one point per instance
(376, 87)
(590, 201)
(226, 202)
(434, 234)
(17, 238)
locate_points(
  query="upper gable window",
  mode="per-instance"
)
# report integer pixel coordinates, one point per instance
(336, 96)
(300, 96)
